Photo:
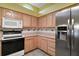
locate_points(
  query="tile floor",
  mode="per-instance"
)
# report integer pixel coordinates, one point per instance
(36, 52)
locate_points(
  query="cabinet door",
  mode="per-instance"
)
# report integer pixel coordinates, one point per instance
(26, 20)
(54, 20)
(51, 20)
(9, 13)
(40, 22)
(51, 46)
(35, 42)
(0, 17)
(39, 42)
(43, 21)
(34, 21)
(31, 44)
(19, 16)
(27, 45)
(44, 45)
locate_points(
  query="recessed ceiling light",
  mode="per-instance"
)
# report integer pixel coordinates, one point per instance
(43, 11)
(28, 7)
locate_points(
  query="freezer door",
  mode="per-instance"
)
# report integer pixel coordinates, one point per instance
(75, 30)
(63, 45)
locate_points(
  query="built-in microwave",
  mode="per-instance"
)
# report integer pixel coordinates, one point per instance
(11, 23)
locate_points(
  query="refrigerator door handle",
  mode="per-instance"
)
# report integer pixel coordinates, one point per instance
(72, 33)
(68, 34)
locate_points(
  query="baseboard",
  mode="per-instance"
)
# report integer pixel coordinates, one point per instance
(30, 51)
(35, 49)
(45, 52)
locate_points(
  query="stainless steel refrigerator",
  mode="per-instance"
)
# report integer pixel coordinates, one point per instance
(67, 32)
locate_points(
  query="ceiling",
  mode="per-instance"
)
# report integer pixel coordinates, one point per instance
(39, 5)
(35, 9)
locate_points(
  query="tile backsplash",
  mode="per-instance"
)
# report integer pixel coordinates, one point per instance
(42, 32)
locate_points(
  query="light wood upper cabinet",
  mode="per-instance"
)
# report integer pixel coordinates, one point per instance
(39, 21)
(19, 16)
(51, 20)
(47, 20)
(11, 14)
(34, 21)
(44, 21)
(26, 20)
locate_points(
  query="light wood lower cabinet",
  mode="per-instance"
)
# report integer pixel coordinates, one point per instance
(27, 45)
(30, 44)
(35, 42)
(43, 43)
(51, 46)
(47, 45)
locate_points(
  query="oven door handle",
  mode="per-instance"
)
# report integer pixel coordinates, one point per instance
(12, 38)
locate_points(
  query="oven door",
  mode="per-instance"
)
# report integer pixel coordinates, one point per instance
(12, 46)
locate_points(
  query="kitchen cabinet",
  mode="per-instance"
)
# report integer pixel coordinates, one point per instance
(47, 45)
(35, 42)
(51, 46)
(26, 45)
(47, 20)
(30, 44)
(26, 20)
(0, 17)
(38, 42)
(11, 14)
(40, 22)
(44, 21)
(34, 21)
(51, 20)
(51, 51)
(44, 44)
